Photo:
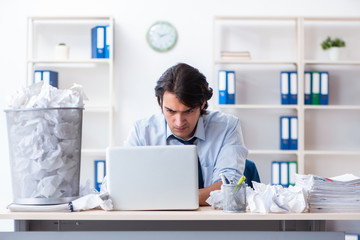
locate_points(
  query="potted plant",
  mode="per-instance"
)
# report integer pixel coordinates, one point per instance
(332, 46)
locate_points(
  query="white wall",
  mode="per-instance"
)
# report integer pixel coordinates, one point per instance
(136, 64)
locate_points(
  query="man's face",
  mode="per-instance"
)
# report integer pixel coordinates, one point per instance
(181, 119)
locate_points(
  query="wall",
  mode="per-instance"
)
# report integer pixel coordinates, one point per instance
(136, 64)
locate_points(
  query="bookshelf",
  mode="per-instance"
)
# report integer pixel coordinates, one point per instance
(328, 135)
(95, 75)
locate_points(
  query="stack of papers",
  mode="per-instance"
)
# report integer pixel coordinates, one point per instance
(338, 194)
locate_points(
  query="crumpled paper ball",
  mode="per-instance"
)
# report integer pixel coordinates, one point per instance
(265, 198)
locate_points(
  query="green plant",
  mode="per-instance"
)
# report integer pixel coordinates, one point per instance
(329, 43)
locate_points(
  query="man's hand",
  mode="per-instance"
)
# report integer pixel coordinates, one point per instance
(204, 193)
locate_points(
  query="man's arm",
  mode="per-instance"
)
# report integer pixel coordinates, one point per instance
(204, 193)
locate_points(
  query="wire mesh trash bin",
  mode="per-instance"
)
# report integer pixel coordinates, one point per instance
(45, 153)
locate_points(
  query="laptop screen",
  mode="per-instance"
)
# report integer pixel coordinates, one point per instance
(153, 177)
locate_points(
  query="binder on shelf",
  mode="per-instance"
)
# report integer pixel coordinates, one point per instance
(98, 42)
(108, 35)
(284, 173)
(48, 76)
(230, 79)
(315, 88)
(275, 173)
(100, 172)
(292, 172)
(284, 132)
(293, 87)
(222, 83)
(37, 76)
(307, 88)
(324, 88)
(293, 143)
(284, 87)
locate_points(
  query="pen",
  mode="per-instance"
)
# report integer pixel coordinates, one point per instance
(232, 180)
(224, 179)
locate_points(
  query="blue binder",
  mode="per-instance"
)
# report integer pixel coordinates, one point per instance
(307, 88)
(284, 173)
(324, 88)
(48, 76)
(100, 172)
(284, 87)
(108, 35)
(275, 173)
(222, 84)
(284, 132)
(98, 42)
(231, 87)
(293, 143)
(293, 87)
(37, 76)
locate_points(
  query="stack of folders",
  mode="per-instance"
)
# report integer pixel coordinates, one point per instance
(288, 87)
(283, 173)
(50, 77)
(316, 88)
(227, 55)
(100, 172)
(100, 42)
(227, 88)
(288, 132)
(335, 194)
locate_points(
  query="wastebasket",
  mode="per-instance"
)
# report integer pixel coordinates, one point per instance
(45, 153)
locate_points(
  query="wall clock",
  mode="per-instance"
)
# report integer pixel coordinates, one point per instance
(162, 36)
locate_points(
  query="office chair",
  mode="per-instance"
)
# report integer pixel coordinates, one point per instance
(251, 173)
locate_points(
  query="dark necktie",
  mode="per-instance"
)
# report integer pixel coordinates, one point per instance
(191, 142)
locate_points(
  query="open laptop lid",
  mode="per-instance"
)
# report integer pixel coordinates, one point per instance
(153, 177)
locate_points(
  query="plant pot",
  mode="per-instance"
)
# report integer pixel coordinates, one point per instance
(334, 53)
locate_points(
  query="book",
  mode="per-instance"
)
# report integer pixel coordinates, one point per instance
(235, 55)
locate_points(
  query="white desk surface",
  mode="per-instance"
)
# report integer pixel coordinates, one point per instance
(202, 214)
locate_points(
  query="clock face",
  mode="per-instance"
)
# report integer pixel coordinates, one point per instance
(162, 36)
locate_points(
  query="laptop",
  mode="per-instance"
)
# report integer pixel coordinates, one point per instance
(153, 177)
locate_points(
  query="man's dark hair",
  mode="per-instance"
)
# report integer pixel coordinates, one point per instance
(187, 83)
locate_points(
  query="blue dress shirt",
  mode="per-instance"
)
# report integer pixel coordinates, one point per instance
(219, 143)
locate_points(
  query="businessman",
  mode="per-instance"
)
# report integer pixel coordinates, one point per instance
(182, 93)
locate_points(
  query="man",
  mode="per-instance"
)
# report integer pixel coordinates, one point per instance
(182, 93)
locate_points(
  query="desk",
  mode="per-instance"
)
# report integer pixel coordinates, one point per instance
(203, 219)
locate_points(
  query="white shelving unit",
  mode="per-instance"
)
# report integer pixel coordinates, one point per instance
(328, 139)
(95, 75)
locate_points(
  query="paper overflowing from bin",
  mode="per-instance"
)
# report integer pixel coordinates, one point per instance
(42, 95)
(44, 128)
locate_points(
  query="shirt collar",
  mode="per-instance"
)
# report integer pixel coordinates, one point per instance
(199, 132)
